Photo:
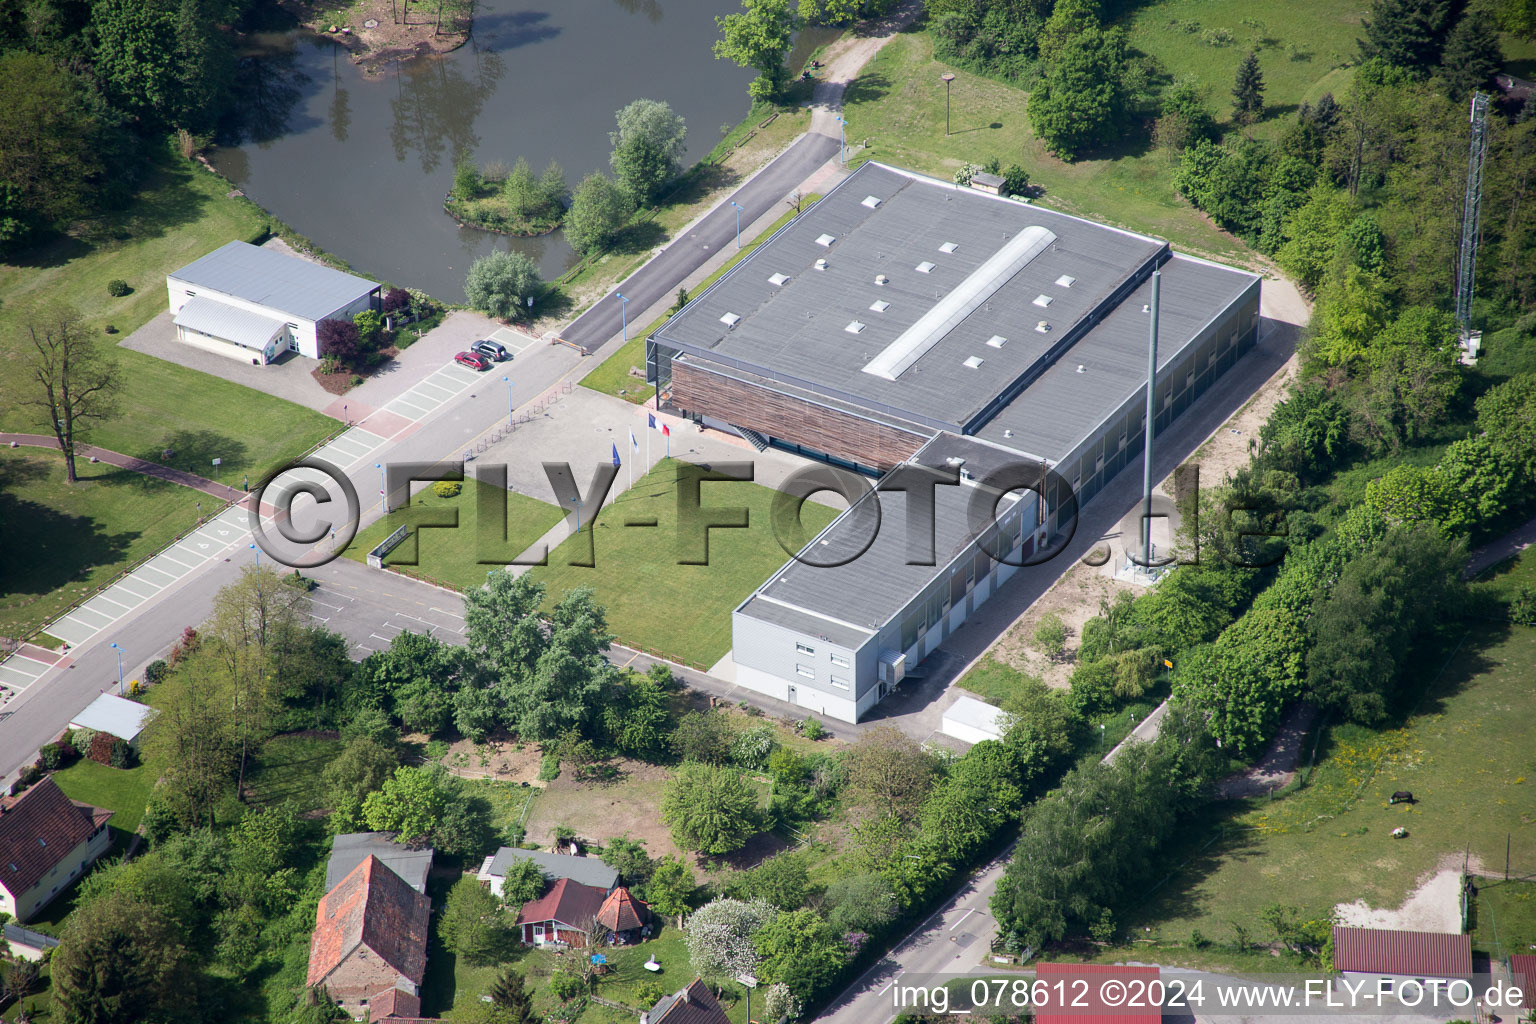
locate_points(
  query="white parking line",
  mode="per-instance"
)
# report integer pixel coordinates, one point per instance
(73, 631)
(142, 573)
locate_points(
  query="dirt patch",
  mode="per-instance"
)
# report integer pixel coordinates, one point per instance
(602, 811)
(1076, 597)
(340, 383)
(1433, 906)
(503, 760)
(380, 32)
(1278, 766)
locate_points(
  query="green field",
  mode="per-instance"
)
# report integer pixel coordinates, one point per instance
(63, 541)
(289, 769)
(449, 556)
(123, 790)
(1466, 756)
(682, 611)
(1504, 915)
(612, 376)
(182, 213)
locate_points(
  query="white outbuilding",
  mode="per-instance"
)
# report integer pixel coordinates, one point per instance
(974, 720)
(116, 715)
(251, 303)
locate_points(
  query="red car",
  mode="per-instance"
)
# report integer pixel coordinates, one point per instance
(473, 360)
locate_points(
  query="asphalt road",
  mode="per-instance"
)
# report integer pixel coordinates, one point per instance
(659, 277)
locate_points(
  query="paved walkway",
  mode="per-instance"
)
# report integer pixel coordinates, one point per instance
(154, 469)
(1507, 546)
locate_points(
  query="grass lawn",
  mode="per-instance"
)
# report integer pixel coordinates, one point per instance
(449, 556)
(64, 540)
(1465, 754)
(182, 213)
(123, 790)
(612, 376)
(1504, 916)
(682, 611)
(289, 768)
(1504, 579)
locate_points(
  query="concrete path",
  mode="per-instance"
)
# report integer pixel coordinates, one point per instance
(111, 458)
(1507, 546)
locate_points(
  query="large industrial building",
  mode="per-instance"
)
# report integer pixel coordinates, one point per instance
(906, 321)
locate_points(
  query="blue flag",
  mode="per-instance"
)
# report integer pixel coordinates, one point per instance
(616, 462)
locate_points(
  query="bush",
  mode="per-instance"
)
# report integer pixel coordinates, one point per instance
(117, 288)
(355, 380)
(339, 338)
(812, 729)
(502, 284)
(81, 740)
(549, 768)
(1522, 609)
(101, 748)
(447, 488)
(395, 300)
(753, 748)
(565, 984)
(155, 671)
(122, 755)
(57, 755)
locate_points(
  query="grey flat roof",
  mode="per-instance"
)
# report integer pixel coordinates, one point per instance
(801, 621)
(350, 849)
(798, 329)
(586, 870)
(281, 282)
(872, 588)
(1059, 409)
(977, 714)
(231, 323)
(116, 715)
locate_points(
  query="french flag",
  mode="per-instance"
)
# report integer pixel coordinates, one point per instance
(665, 430)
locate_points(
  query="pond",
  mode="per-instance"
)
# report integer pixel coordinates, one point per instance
(360, 163)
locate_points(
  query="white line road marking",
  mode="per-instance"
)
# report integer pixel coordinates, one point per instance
(892, 982)
(963, 916)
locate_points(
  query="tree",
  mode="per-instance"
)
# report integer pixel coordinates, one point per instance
(1517, 17)
(647, 148)
(415, 677)
(1080, 94)
(524, 883)
(410, 803)
(781, 881)
(1348, 316)
(758, 37)
(709, 809)
(1248, 91)
(194, 740)
(553, 189)
(120, 961)
(338, 339)
(888, 768)
(628, 857)
(363, 766)
(501, 283)
(719, 937)
(802, 951)
(1185, 120)
(164, 61)
(598, 212)
(638, 719)
(71, 379)
(1312, 231)
(670, 888)
(704, 736)
(521, 190)
(1485, 478)
(509, 994)
(1506, 415)
(1406, 33)
(369, 324)
(1050, 637)
(1472, 55)
(1416, 494)
(860, 903)
(473, 924)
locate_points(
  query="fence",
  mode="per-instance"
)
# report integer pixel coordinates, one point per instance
(534, 410)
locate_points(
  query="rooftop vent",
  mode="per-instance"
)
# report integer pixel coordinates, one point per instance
(948, 247)
(1079, 367)
(879, 306)
(974, 362)
(954, 460)
(881, 279)
(1007, 431)
(1044, 327)
(778, 280)
(871, 201)
(821, 264)
(730, 319)
(1146, 308)
(826, 239)
(1066, 281)
(997, 341)
(1042, 301)
(925, 267)
(854, 327)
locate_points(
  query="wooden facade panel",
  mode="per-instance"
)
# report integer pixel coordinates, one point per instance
(698, 390)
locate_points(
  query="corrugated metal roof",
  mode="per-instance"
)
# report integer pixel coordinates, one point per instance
(229, 323)
(119, 716)
(1421, 954)
(276, 280)
(1090, 992)
(587, 870)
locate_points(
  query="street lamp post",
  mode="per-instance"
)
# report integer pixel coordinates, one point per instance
(256, 549)
(842, 140)
(577, 502)
(119, 651)
(948, 77)
(624, 313)
(738, 222)
(510, 407)
(383, 497)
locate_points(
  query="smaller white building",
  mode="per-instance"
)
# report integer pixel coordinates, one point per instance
(117, 716)
(974, 720)
(253, 304)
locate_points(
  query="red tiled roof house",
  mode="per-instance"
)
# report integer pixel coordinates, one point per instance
(369, 949)
(1386, 953)
(46, 841)
(623, 915)
(695, 1004)
(562, 916)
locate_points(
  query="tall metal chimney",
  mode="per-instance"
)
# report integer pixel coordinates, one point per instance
(1146, 469)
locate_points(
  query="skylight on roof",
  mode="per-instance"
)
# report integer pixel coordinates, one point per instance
(948, 247)
(854, 327)
(1044, 327)
(731, 319)
(1042, 300)
(826, 239)
(925, 267)
(997, 341)
(1066, 280)
(974, 362)
(871, 201)
(879, 306)
(777, 279)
